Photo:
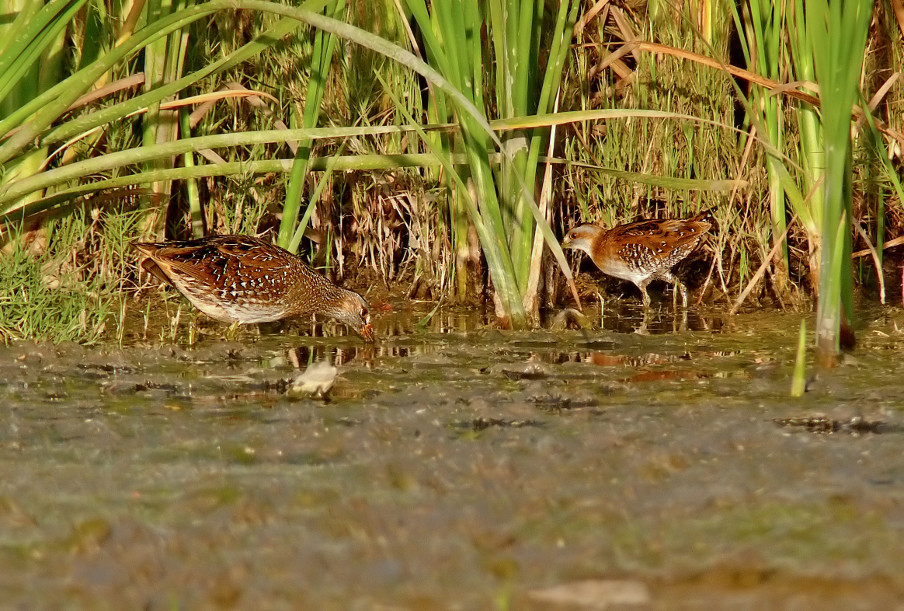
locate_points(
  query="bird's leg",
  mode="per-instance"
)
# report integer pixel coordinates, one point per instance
(602, 310)
(642, 285)
(642, 329)
(678, 288)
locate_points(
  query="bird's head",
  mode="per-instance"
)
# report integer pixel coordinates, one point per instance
(352, 309)
(581, 237)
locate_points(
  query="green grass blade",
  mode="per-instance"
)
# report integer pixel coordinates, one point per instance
(799, 377)
(321, 59)
(33, 34)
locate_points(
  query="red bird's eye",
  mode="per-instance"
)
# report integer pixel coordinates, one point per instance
(574, 235)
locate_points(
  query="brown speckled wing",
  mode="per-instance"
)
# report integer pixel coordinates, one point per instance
(639, 229)
(220, 262)
(660, 236)
(246, 280)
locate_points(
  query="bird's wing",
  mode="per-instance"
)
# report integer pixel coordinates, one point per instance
(212, 259)
(658, 235)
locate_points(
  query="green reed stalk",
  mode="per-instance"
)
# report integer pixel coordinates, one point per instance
(331, 162)
(31, 39)
(773, 44)
(799, 377)
(830, 23)
(33, 114)
(811, 153)
(10, 192)
(505, 69)
(30, 63)
(35, 117)
(783, 36)
(57, 177)
(767, 20)
(321, 59)
(191, 184)
(163, 62)
(459, 58)
(41, 112)
(519, 44)
(101, 117)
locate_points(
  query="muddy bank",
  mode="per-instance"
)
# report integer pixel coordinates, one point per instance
(455, 466)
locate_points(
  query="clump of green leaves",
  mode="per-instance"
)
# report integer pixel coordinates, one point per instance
(47, 293)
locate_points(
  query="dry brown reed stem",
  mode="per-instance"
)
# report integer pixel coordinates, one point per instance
(761, 271)
(879, 96)
(205, 101)
(229, 90)
(778, 88)
(872, 250)
(890, 244)
(627, 33)
(232, 89)
(532, 295)
(129, 82)
(752, 77)
(898, 7)
(588, 16)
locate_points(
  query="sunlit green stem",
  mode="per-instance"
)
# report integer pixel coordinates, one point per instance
(838, 68)
(191, 184)
(321, 59)
(799, 378)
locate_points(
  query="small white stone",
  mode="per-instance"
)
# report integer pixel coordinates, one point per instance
(317, 379)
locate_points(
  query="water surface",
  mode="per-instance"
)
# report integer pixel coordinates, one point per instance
(454, 465)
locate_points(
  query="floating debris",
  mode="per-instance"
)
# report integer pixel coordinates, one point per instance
(554, 403)
(666, 374)
(529, 371)
(481, 424)
(569, 318)
(856, 425)
(594, 594)
(316, 380)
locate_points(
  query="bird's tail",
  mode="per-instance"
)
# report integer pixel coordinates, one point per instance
(706, 216)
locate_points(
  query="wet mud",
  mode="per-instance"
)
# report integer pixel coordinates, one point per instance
(453, 465)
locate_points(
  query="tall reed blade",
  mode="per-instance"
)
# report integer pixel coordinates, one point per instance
(838, 68)
(321, 59)
(492, 52)
(163, 62)
(799, 377)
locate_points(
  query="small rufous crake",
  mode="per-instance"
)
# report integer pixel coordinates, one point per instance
(643, 251)
(240, 280)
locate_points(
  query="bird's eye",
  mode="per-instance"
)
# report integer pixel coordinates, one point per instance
(574, 235)
(364, 313)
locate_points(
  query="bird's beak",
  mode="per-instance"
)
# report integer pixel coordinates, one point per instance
(367, 332)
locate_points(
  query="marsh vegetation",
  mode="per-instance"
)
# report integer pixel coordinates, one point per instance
(440, 149)
(494, 448)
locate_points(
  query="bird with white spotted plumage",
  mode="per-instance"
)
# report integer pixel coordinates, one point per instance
(644, 251)
(241, 280)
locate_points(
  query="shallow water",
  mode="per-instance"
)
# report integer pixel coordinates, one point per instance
(457, 466)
